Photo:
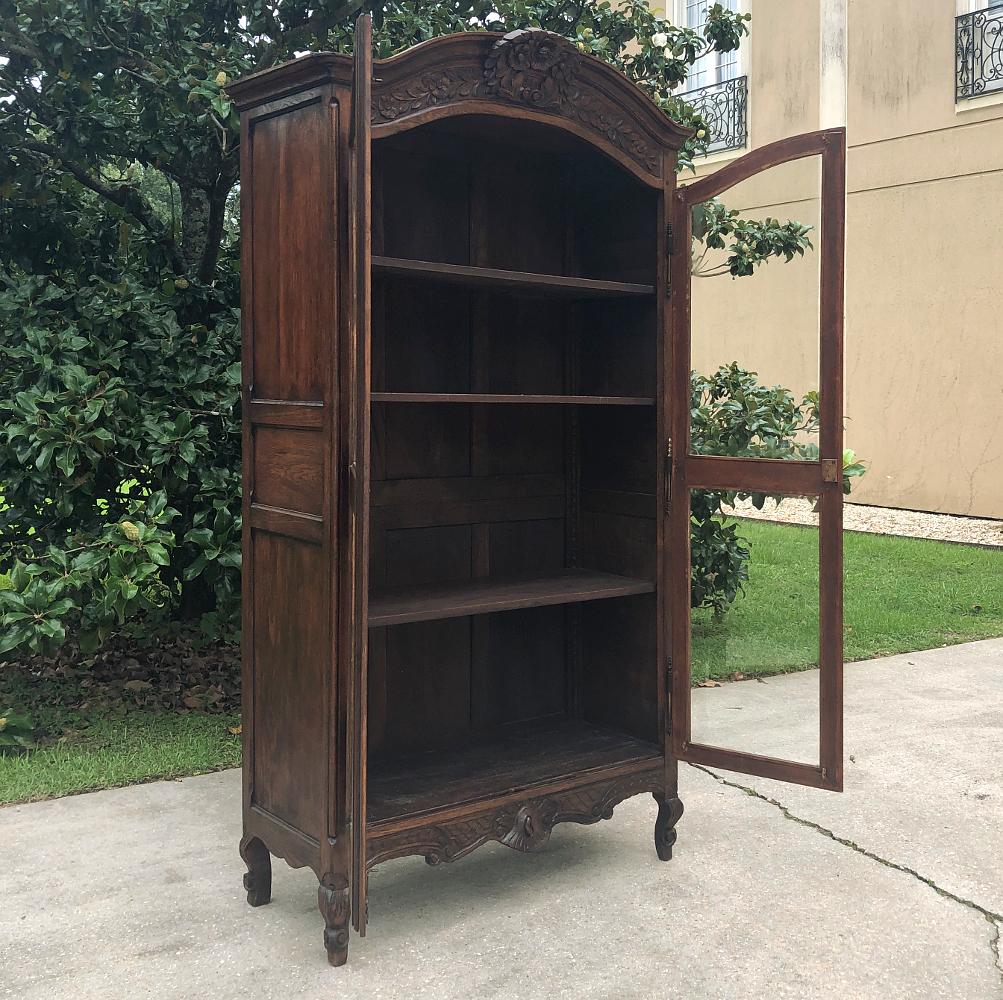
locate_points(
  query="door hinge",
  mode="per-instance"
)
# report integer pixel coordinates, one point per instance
(670, 239)
(668, 476)
(830, 470)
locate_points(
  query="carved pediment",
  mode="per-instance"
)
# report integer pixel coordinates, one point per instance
(530, 68)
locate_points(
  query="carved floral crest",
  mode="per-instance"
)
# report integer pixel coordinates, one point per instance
(533, 67)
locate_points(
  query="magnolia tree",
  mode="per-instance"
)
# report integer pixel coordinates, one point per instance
(119, 324)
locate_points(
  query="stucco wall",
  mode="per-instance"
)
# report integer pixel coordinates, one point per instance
(924, 320)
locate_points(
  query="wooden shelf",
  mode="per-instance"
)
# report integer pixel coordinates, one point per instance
(508, 761)
(482, 597)
(489, 277)
(494, 397)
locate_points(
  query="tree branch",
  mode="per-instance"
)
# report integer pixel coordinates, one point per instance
(126, 198)
(318, 21)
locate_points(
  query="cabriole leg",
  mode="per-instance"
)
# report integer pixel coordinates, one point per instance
(258, 879)
(335, 908)
(670, 808)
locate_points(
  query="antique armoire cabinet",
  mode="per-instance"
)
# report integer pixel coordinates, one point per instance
(466, 462)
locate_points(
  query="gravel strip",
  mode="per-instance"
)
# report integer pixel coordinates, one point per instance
(882, 521)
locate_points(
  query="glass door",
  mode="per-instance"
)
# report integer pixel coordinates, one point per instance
(757, 426)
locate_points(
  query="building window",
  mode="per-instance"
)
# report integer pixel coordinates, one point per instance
(978, 51)
(718, 91)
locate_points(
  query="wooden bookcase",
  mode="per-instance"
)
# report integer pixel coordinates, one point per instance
(459, 576)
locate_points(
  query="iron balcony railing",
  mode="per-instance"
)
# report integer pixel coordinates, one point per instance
(978, 53)
(724, 107)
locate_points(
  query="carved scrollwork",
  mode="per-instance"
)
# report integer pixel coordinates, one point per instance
(525, 826)
(529, 67)
(426, 91)
(335, 906)
(670, 810)
(258, 877)
(530, 829)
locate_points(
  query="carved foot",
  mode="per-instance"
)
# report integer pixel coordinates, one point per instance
(669, 810)
(333, 901)
(258, 879)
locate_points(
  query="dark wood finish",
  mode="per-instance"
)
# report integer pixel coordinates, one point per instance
(360, 255)
(689, 472)
(258, 878)
(489, 397)
(511, 762)
(333, 901)
(670, 811)
(522, 820)
(276, 413)
(481, 597)
(516, 281)
(458, 601)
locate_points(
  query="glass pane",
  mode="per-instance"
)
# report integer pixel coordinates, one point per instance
(755, 624)
(755, 337)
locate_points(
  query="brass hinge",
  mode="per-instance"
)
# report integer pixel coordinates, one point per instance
(830, 470)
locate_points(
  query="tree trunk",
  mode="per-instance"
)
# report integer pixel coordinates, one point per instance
(194, 227)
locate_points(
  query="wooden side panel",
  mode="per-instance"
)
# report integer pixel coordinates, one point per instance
(289, 299)
(289, 638)
(287, 199)
(288, 469)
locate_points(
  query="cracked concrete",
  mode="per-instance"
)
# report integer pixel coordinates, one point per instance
(774, 891)
(994, 919)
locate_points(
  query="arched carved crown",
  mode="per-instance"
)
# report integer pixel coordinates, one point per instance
(531, 68)
(535, 71)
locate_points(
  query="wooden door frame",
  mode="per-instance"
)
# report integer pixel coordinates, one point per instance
(360, 251)
(822, 478)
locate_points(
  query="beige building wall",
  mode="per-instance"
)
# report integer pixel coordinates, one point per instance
(924, 292)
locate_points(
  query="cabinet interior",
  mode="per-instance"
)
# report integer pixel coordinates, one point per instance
(513, 464)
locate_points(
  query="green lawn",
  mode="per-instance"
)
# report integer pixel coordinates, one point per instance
(901, 595)
(139, 747)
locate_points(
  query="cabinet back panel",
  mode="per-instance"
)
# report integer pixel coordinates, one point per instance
(616, 543)
(617, 353)
(422, 203)
(618, 449)
(421, 339)
(427, 678)
(518, 213)
(466, 491)
(526, 547)
(520, 440)
(421, 440)
(619, 673)
(427, 555)
(519, 674)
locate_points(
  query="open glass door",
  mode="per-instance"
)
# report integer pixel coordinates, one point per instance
(360, 249)
(794, 451)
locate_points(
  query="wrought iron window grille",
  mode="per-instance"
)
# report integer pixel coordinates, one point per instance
(978, 53)
(724, 108)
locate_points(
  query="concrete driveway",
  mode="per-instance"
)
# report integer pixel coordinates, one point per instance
(894, 889)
